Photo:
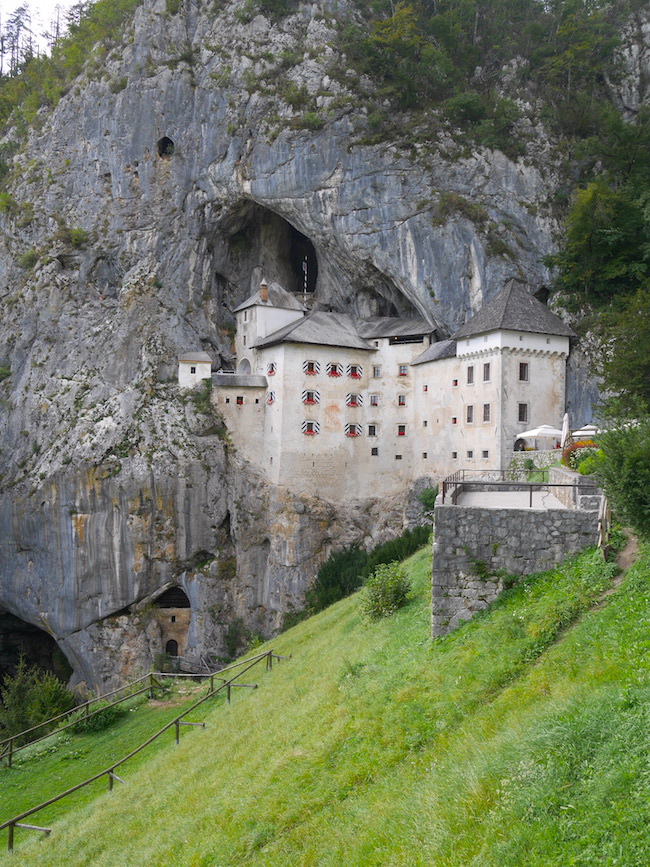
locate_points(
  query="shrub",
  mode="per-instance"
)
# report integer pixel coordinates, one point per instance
(624, 471)
(29, 697)
(428, 498)
(386, 590)
(577, 452)
(102, 716)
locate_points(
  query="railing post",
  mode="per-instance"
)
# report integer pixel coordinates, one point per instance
(228, 693)
(10, 838)
(212, 683)
(178, 731)
(150, 684)
(10, 754)
(530, 501)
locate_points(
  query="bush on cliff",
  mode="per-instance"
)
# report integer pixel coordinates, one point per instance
(29, 697)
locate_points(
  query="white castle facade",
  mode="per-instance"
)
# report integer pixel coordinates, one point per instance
(329, 404)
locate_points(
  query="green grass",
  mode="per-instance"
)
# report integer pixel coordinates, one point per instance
(521, 739)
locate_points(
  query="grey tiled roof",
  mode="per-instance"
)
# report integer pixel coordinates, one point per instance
(514, 309)
(384, 326)
(442, 349)
(192, 357)
(278, 297)
(239, 380)
(325, 329)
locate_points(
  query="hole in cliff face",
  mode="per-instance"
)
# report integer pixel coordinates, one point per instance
(175, 597)
(19, 638)
(253, 242)
(165, 147)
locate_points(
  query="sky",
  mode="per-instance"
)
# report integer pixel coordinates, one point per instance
(43, 12)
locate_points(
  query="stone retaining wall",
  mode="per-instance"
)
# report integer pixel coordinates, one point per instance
(476, 549)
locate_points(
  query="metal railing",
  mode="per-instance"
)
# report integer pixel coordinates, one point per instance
(177, 722)
(502, 480)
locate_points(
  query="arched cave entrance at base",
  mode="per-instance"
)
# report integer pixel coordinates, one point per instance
(19, 638)
(173, 616)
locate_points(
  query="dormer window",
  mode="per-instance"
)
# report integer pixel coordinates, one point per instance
(310, 428)
(310, 397)
(271, 368)
(353, 430)
(354, 400)
(311, 368)
(355, 371)
(334, 369)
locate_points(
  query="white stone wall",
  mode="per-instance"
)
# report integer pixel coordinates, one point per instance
(192, 373)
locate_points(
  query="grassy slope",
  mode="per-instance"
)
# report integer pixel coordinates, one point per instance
(498, 745)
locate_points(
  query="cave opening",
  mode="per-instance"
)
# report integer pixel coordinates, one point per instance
(174, 597)
(21, 639)
(303, 261)
(165, 147)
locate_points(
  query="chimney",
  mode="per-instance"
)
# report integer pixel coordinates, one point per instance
(264, 290)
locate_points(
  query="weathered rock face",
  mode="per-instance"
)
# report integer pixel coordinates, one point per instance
(148, 203)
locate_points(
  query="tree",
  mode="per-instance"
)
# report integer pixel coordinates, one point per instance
(624, 471)
(626, 366)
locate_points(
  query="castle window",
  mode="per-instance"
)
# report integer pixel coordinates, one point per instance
(403, 370)
(485, 453)
(374, 400)
(401, 400)
(398, 457)
(270, 398)
(271, 368)
(334, 369)
(470, 453)
(227, 400)
(311, 368)
(470, 375)
(310, 428)
(245, 315)
(355, 371)
(240, 400)
(374, 452)
(425, 423)
(487, 412)
(310, 397)
(354, 400)
(192, 369)
(454, 456)
(401, 430)
(372, 430)
(376, 371)
(523, 371)
(454, 382)
(353, 430)
(425, 388)
(470, 414)
(244, 339)
(454, 420)
(486, 372)
(523, 412)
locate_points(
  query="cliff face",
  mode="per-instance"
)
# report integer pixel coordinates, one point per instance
(205, 152)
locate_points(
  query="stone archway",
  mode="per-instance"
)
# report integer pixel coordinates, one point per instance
(173, 613)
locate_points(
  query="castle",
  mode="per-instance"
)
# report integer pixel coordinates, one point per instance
(344, 407)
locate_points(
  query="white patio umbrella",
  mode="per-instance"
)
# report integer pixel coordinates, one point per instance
(566, 431)
(544, 431)
(587, 432)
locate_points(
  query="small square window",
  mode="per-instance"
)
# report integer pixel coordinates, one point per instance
(470, 414)
(454, 383)
(523, 371)
(192, 369)
(257, 400)
(425, 423)
(470, 375)
(486, 372)
(374, 452)
(240, 400)
(376, 371)
(401, 400)
(372, 430)
(424, 455)
(454, 456)
(227, 400)
(398, 457)
(403, 370)
(470, 453)
(454, 420)
(487, 412)
(485, 453)
(523, 412)
(374, 400)
(401, 430)
(173, 618)
(425, 388)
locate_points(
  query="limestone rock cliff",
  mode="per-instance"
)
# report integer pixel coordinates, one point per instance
(178, 170)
